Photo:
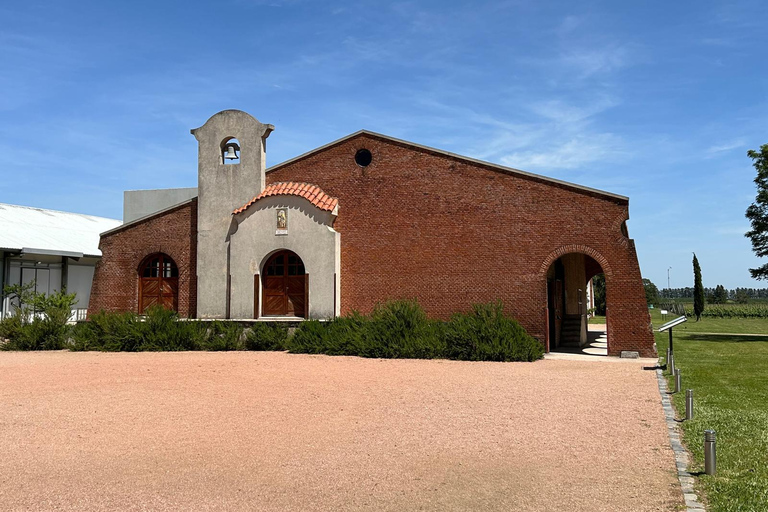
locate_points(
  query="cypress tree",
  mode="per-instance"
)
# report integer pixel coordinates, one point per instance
(698, 289)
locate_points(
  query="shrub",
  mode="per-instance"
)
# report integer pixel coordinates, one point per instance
(39, 321)
(262, 336)
(486, 334)
(339, 337)
(309, 338)
(111, 332)
(222, 336)
(401, 329)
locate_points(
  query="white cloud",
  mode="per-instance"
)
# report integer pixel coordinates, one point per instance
(726, 146)
(571, 154)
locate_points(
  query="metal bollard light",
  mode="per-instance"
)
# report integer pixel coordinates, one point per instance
(688, 404)
(667, 359)
(710, 452)
(677, 380)
(671, 364)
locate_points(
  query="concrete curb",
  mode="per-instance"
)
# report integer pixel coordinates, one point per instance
(682, 458)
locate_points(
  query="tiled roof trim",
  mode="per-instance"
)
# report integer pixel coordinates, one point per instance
(311, 193)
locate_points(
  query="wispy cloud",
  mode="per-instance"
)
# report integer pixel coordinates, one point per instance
(724, 147)
(587, 62)
(574, 153)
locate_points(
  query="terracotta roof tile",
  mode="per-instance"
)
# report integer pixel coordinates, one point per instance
(310, 192)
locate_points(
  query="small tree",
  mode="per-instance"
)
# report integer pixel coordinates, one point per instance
(757, 213)
(598, 285)
(651, 292)
(698, 289)
(720, 296)
(742, 297)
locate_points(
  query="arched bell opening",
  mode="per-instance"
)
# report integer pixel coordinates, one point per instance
(576, 293)
(285, 286)
(158, 283)
(230, 151)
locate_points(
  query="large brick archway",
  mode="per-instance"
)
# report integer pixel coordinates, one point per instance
(565, 274)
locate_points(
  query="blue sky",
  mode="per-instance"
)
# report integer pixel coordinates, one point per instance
(658, 101)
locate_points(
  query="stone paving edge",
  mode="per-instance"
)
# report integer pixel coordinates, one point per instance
(682, 457)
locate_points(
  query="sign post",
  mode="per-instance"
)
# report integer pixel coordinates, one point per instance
(668, 327)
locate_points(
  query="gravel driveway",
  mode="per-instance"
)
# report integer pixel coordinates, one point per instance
(273, 431)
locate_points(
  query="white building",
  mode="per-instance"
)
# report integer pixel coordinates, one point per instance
(50, 248)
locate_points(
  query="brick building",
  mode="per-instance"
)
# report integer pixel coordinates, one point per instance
(369, 218)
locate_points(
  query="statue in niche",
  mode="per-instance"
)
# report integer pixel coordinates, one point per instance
(282, 218)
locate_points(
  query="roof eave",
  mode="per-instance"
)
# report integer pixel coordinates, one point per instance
(147, 217)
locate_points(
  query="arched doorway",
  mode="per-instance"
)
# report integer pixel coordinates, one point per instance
(285, 286)
(158, 283)
(571, 302)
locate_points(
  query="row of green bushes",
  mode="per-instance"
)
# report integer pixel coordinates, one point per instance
(398, 329)
(402, 330)
(733, 311)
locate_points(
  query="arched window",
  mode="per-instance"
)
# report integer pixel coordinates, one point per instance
(284, 286)
(158, 283)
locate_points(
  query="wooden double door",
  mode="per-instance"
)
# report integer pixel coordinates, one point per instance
(285, 286)
(158, 283)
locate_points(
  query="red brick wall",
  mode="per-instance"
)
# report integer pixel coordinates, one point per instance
(450, 233)
(116, 279)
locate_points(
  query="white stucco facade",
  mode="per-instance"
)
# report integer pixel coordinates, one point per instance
(254, 237)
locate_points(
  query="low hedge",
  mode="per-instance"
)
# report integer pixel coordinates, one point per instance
(161, 330)
(397, 329)
(401, 329)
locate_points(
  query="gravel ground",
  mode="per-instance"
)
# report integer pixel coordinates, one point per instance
(273, 431)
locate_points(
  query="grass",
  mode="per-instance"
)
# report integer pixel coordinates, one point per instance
(717, 325)
(597, 319)
(729, 376)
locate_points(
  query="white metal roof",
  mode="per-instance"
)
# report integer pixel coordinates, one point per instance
(40, 231)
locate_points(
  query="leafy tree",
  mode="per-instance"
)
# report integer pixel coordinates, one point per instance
(757, 213)
(698, 289)
(598, 285)
(651, 292)
(720, 296)
(742, 297)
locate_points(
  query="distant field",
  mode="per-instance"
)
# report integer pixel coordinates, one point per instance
(714, 324)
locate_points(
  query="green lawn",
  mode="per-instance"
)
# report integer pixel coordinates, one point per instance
(597, 319)
(729, 376)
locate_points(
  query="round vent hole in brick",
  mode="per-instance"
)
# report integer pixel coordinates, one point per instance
(363, 157)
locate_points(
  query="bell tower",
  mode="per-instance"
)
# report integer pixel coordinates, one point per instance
(231, 161)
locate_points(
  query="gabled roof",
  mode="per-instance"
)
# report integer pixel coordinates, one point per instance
(488, 165)
(40, 231)
(158, 213)
(311, 193)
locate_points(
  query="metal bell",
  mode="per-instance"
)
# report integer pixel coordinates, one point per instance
(231, 151)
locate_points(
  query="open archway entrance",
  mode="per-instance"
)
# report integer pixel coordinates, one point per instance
(574, 290)
(285, 286)
(158, 283)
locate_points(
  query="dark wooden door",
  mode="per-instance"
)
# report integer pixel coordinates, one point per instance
(284, 286)
(159, 283)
